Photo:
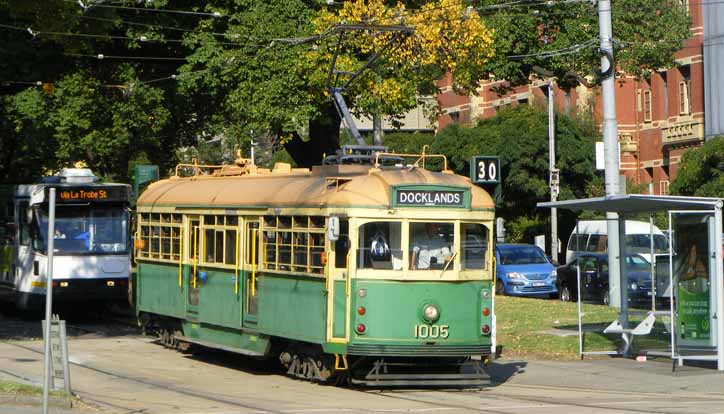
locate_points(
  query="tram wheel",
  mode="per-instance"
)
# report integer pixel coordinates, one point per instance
(499, 288)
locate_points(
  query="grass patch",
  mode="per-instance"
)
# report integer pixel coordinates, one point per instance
(14, 388)
(526, 328)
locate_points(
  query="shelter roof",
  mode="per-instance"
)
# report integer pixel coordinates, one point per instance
(637, 203)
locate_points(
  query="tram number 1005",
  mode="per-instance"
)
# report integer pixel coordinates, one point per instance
(432, 331)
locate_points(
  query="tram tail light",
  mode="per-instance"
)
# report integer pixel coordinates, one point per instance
(361, 310)
(486, 311)
(140, 244)
(485, 329)
(360, 328)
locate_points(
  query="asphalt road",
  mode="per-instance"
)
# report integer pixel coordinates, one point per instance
(115, 370)
(133, 374)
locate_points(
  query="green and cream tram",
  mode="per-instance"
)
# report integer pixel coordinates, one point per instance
(377, 274)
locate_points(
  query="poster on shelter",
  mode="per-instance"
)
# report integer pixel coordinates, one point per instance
(692, 272)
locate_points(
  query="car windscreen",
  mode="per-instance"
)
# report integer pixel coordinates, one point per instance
(520, 255)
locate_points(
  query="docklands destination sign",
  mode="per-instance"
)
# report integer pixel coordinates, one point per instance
(442, 198)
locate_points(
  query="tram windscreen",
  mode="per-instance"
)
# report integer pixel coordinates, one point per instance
(86, 230)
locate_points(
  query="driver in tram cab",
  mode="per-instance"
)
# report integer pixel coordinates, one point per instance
(429, 246)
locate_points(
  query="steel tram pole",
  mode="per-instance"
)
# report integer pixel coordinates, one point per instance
(48, 299)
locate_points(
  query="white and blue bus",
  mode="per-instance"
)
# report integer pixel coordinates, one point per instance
(92, 260)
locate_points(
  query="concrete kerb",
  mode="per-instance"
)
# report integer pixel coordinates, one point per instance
(35, 400)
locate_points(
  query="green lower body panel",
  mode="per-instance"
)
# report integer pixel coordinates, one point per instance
(232, 340)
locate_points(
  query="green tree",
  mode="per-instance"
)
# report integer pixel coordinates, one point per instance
(701, 171)
(519, 136)
(647, 34)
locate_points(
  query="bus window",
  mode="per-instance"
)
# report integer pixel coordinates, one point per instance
(474, 245)
(380, 246)
(431, 245)
(24, 226)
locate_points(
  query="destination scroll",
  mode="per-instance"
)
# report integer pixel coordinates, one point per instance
(430, 198)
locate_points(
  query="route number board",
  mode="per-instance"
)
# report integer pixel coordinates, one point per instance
(485, 170)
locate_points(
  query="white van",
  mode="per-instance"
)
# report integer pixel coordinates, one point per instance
(592, 236)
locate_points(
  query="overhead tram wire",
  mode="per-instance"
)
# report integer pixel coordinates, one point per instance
(87, 4)
(493, 8)
(143, 39)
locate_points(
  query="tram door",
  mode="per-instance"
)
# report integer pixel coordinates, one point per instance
(338, 283)
(194, 252)
(253, 254)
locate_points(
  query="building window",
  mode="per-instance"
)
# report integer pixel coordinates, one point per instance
(684, 5)
(663, 187)
(639, 104)
(685, 91)
(647, 106)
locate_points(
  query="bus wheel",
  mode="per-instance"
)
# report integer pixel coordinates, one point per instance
(499, 288)
(566, 294)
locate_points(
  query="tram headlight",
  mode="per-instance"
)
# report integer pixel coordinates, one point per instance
(431, 313)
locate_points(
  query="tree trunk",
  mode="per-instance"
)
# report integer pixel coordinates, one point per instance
(379, 134)
(323, 138)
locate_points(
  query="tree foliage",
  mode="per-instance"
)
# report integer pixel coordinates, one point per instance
(519, 136)
(561, 38)
(701, 171)
(260, 70)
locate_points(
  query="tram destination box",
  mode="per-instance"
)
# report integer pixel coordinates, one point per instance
(426, 196)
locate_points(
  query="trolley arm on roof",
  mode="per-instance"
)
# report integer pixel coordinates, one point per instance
(335, 91)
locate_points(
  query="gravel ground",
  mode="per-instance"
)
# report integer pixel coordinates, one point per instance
(98, 321)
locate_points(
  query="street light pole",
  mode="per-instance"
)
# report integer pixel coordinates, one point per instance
(554, 179)
(610, 145)
(48, 299)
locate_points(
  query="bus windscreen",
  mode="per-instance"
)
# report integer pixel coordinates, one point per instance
(86, 230)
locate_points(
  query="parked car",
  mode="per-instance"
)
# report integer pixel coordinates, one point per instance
(594, 278)
(524, 270)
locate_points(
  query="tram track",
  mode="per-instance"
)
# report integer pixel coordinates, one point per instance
(155, 384)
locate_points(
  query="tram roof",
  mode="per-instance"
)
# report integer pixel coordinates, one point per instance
(324, 186)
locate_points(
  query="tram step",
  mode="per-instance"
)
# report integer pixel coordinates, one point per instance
(217, 346)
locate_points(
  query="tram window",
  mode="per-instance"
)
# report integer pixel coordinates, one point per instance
(431, 245)
(341, 246)
(474, 246)
(293, 244)
(231, 246)
(220, 239)
(252, 244)
(175, 243)
(381, 246)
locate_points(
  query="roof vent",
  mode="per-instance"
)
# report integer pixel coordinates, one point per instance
(77, 176)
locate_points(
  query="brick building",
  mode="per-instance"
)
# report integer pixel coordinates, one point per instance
(658, 119)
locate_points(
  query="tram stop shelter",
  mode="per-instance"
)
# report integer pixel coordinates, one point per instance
(695, 272)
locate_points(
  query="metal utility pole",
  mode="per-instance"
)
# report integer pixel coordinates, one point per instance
(554, 175)
(610, 146)
(48, 298)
